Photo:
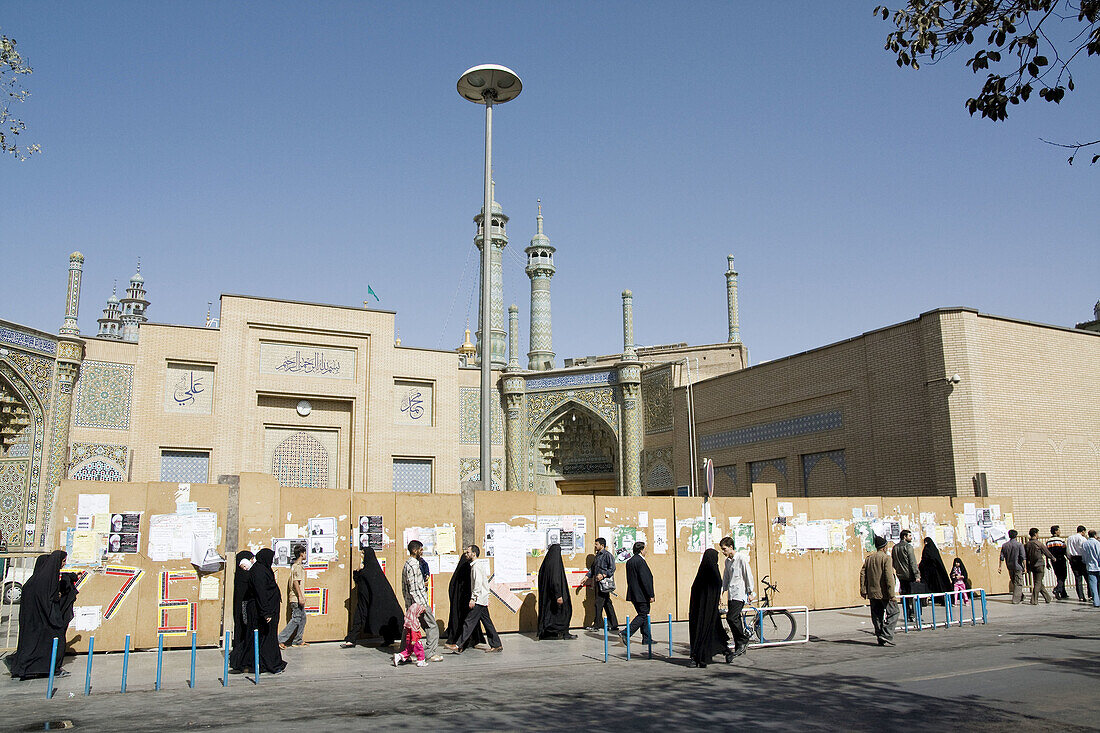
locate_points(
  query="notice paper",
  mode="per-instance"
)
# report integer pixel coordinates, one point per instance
(86, 547)
(643, 519)
(209, 588)
(660, 536)
(445, 540)
(812, 537)
(86, 618)
(510, 555)
(785, 508)
(87, 504)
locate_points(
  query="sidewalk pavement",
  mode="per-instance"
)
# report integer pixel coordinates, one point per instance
(325, 677)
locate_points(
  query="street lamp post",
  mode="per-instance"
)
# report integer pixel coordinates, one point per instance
(487, 84)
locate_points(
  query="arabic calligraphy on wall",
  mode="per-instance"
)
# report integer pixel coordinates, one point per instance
(306, 360)
(413, 402)
(189, 388)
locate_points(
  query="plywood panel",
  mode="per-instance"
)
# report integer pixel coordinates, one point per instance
(515, 508)
(390, 557)
(431, 510)
(791, 571)
(624, 511)
(584, 609)
(688, 510)
(835, 572)
(127, 588)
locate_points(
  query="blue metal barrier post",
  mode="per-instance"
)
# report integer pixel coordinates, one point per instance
(670, 636)
(626, 636)
(933, 604)
(760, 625)
(53, 661)
(605, 639)
(905, 614)
(973, 620)
(917, 606)
(194, 639)
(256, 656)
(88, 673)
(160, 657)
(649, 634)
(125, 661)
(984, 616)
(225, 672)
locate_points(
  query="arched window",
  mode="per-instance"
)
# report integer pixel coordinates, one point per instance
(301, 460)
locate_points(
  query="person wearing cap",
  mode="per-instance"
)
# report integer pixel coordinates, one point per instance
(876, 584)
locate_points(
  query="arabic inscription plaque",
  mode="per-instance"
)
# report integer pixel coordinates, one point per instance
(306, 360)
(189, 388)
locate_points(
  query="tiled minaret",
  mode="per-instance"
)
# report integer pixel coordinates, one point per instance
(630, 382)
(540, 268)
(731, 303)
(134, 306)
(499, 238)
(110, 325)
(70, 354)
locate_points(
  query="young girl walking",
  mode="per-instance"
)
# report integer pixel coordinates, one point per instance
(414, 641)
(960, 581)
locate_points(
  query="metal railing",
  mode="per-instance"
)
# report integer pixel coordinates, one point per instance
(951, 600)
(15, 569)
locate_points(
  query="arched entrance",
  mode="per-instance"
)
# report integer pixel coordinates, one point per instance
(576, 451)
(20, 454)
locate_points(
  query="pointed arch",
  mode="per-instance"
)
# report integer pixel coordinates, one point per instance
(301, 460)
(20, 475)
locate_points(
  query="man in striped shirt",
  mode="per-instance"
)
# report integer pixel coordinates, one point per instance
(414, 588)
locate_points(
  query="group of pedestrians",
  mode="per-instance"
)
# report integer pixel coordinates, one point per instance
(1081, 551)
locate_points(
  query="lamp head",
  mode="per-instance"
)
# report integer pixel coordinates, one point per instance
(489, 84)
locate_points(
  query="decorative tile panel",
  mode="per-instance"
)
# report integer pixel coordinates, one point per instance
(789, 428)
(303, 360)
(186, 467)
(810, 460)
(37, 370)
(602, 401)
(117, 454)
(13, 486)
(412, 475)
(301, 460)
(97, 470)
(469, 400)
(657, 468)
(189, 388)
(412, 402)
(582, 379)
(29, 340)
(757, 468)
(469, 469)
(103, 395)
(657, 397)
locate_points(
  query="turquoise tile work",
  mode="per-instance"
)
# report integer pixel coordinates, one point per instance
(412, 475)
(185, 467)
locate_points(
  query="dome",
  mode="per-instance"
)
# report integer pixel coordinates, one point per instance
(112, 300)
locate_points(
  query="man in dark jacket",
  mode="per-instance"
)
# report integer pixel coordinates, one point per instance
(904, 559)
(1038, 558)
(603, 567)
(639, 591)
(1057, 546)
(1012, 555)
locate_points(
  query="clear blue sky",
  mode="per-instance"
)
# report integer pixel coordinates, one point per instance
(302, 151)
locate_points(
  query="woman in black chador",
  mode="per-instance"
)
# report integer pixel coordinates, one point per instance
(241, 654)
(459, 592)
(263, 612)
(377, 612)
(555, 605)
(44, 613)
(708, 636)
(932, 571)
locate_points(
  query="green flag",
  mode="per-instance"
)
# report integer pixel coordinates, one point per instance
(370, 291)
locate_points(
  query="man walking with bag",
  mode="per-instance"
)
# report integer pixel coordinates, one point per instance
(876, 584)
(414, 588)
(738, 584)
(479, 607)
(602, 578)
(639, 591)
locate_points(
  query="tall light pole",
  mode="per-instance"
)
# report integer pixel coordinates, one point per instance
(488, 84)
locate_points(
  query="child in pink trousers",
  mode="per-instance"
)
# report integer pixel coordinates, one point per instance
(414, 641)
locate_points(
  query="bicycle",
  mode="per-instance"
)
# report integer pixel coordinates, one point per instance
(778, 623)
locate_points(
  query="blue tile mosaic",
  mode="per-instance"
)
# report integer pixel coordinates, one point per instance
(789, 428)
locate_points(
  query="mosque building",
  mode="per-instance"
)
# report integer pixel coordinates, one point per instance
(326, 396)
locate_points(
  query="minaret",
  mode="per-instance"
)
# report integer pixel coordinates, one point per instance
(540, 268)
(499, 239)
(134, 306)
(110, 327)
(70, 354)
(731, 302)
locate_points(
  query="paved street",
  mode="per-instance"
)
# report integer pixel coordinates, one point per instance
(969, 678)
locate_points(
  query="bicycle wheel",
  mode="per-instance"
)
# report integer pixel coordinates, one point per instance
(748, 621)
(778, 626)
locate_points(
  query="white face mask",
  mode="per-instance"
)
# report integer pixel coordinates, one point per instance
(245, 564)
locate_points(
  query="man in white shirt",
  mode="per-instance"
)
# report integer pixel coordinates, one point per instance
(1075, 543)
(479, 606)
(738, 583)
